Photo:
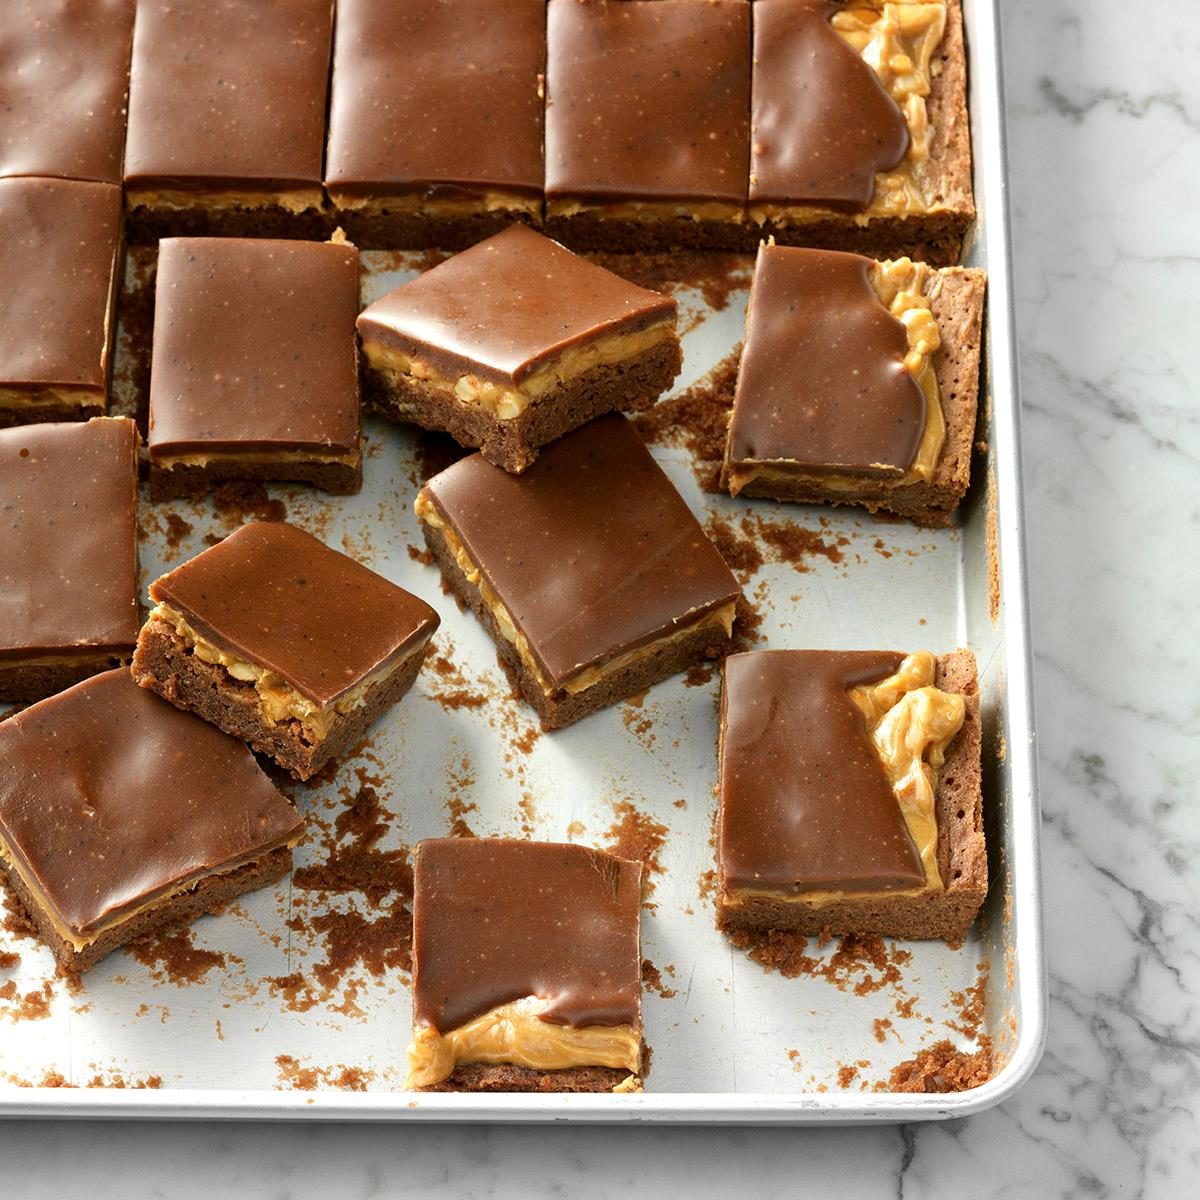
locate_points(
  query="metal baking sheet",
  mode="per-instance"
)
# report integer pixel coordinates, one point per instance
(731, 1043)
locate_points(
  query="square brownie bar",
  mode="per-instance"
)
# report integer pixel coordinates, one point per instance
(120, 815)
(60, 259)
(647, 123)
(858, 383)
(64, 75)
(68, 553)
(526, 968)
(849, 789)
(515, 342)
(589, 570)
(859, 131)
(435, 119)
(227, 118)
(254, 372)
(281, 641)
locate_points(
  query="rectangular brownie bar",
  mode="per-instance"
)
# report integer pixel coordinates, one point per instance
(120, 815)
(515, 342)
(526, 968)
(849, 791)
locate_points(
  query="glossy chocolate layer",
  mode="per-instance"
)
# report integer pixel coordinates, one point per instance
(254, 347)
(804, 801)
(58, 256)
(648, 100)
(591, 550)
(437, 97)
(275, 596)
(822, 124)
(228, 92)
(68, 538)
(507, 305)
(822, 380)
(496, 920)
(64, 72)
(110, 797)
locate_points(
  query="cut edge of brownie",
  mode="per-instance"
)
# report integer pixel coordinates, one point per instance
(403, 229)
(145, 224)
(12, 415)
(505, 1077)
(190, 480)
(23, 682)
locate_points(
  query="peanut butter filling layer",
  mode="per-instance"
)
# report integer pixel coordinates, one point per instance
(169, 461)
(650, 210)
(444, 206)
(39, 396)
(293, 200)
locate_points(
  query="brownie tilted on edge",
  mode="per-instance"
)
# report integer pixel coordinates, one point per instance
(859, 132)
(120, 815)
(60, 260)
(227, 118)
(589, 570)
(68, 553)
(435, 119)
(515, 342)
(276, 638)
(254, 373)
(858, 383)
(526, 968)
(849, 788)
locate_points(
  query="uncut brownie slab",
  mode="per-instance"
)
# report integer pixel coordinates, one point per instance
(64, 75)
(858, 383)
(589, 570)
(647, 123)
(435, 120)
(60, 259)
(254, 373)
(227, 118)
(849, 791)
(68, 553)
(276, 638)
(120, 816)
(859, 131)
(515, 342)
(526, 968)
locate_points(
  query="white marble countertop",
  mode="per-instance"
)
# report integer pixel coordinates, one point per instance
(1105, 141)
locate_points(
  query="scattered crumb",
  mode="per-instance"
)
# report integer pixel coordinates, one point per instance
(637, 836)
(862, 964)
(306, 1079)
(699, 675)
(238, 502)
(173, 957)
(652, 978)
(8, 960)
(754, 540)
(942, 1068)
(882, 1026)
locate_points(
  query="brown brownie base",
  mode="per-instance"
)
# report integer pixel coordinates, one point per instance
(406, 230)
(145, 225)
(164, 663)
(592, 231)
(962, 854)
(631, 386)
(338, 479)
(958, 310)
(44, 414)
(208, 895)
(23, 683)
(486, 1077)
(561, 708)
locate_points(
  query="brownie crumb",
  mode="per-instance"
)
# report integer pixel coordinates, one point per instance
(943, 1068)
(755, 540)
(882, 1026)
(173, 957)
(863, 964)
(239, 502)
(637, 836)
(8, 960)
(424, 557)
(32, 1006)
(308, 1079)
(971, 1004)
(177, 530)
(698, 675)
(652, 978)
(17, 921)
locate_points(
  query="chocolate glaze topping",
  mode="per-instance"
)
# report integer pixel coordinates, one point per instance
(591, 550)
(228, 92)
(440, 97)
(648, 100)
(110, 797)
(68, 537)
(274, 595)
(64, 72)
(58, 254)
(254, 347)
(507, 305)
(805, 803)
(822, 380)
(496, 920)
(822, 124)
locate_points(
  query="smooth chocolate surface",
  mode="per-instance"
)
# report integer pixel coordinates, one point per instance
(508, 304)
(822, 380)
(496, 920)
(228, 93)
(275, 596)
(58, 257)
(648, 100)
(437, 97)
(110, 797)
(64, 72)
(254, 347)
(592, 550)
(804, 801)
(822, 124)
(68, 537)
